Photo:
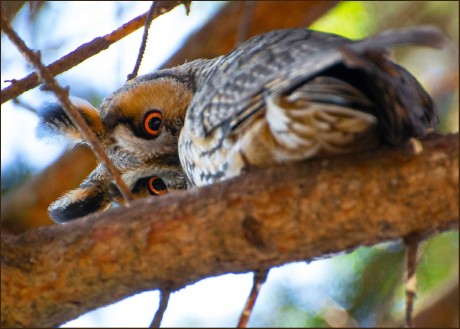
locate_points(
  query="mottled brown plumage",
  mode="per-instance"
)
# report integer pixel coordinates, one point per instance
(282, 96)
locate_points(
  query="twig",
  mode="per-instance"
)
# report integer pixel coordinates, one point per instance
(411, 241)
(259, 279)
(140, 55)
(84, 52)
(63, 96)
(24, 105)
(164, 299)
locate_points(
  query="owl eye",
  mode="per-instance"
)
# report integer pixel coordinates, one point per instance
(156, 186)
(152, 123)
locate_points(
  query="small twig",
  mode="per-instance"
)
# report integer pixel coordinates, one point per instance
(24, 105)
(186, 5)
(164, 299)
(243, 29)
(260, 277)
(34, 58)
(84, 52)
(411, 241)
(140, 55)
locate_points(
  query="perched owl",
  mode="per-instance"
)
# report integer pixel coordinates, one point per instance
(282, 96)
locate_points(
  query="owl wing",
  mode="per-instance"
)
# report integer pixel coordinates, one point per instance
(233, 83)
(278, 62)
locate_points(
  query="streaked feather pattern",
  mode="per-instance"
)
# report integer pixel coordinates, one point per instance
(293, 94)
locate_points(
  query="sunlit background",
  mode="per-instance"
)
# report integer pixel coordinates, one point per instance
(334, 292)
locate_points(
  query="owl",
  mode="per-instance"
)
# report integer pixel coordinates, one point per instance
(283, 96)
(138, 127)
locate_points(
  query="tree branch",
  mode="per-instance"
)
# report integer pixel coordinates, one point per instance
(85, 51)
(62, 95)
(265, 218)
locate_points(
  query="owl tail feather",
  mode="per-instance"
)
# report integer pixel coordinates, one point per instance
(402, 107)
(425, 35)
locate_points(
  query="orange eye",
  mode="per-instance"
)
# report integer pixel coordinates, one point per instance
(152, 123)
(157, 186)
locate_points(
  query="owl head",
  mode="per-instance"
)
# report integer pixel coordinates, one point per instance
(138, 126)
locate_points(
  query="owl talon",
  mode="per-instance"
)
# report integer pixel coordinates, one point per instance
(415, 146)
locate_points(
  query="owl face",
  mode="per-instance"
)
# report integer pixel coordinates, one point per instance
(138, 126)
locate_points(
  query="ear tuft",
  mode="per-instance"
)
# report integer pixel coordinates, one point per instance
(55, 122)
(78, 203)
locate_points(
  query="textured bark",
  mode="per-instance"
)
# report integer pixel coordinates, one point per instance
(264, 218)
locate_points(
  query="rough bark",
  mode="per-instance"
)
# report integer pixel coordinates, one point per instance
(261, 219)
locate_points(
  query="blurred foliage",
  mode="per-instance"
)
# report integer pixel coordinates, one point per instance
(368, 283)
(15, 174)
(349, 19)
(368, 292)
(439, 261)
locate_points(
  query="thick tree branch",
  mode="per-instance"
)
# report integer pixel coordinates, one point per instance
(264, 218)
